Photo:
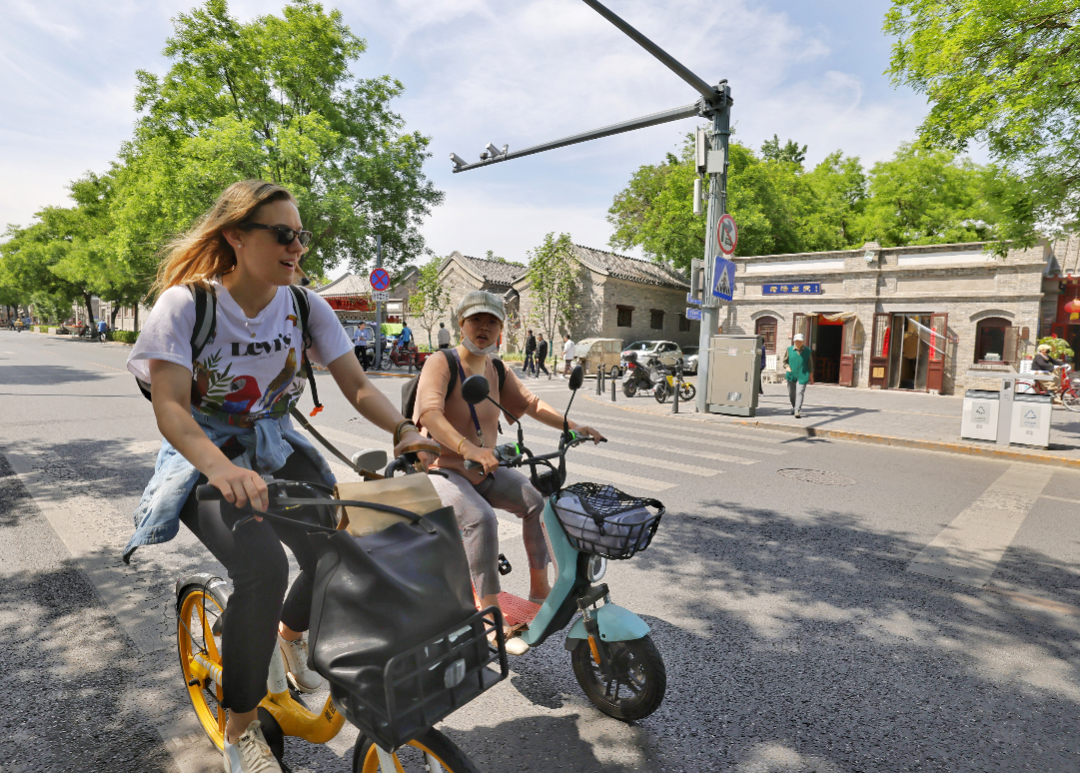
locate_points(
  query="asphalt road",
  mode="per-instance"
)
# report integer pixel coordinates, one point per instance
(820, 605)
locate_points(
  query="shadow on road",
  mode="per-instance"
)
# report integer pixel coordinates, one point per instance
(47, 374)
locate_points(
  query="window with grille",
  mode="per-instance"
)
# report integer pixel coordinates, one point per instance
(766, 328)
(625, 316)
(995, 341)
(656, 319)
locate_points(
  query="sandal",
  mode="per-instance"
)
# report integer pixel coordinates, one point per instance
(515, 645)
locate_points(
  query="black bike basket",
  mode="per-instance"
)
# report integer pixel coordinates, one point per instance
(421, 686)
(602, 520)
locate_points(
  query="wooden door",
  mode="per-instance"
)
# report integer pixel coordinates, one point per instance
(800, 323)
(939, 337)
(847, 355)
(879, 352)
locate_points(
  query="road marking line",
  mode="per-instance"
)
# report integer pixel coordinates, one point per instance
(597, 475)
(682, 429)
(666, 449)
(968, 550)
(1060, 499)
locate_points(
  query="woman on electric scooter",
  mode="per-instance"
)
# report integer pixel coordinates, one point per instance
(469, 433)
(246, 251)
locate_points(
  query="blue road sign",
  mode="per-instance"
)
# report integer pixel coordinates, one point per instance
(694, 313)
(723, 278)
(691, 299)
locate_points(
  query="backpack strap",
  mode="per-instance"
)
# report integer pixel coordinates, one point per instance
(205, 317)
(302, 307)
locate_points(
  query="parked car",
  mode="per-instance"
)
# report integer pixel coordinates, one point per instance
(690, 360)
(665, 351)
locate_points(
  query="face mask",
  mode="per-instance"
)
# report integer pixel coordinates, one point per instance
(474, 349)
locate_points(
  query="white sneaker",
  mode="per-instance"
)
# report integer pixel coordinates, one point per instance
(296, 665)
(250, 753)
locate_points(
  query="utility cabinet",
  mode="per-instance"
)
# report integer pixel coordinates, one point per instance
(734, 374)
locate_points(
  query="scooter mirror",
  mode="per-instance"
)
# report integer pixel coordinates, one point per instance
(370, 459)
(475, 389)
(577, 378)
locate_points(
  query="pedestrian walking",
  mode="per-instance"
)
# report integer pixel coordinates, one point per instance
(798, 365)
(444, 337)
(568, 353)
(541, 356)
(362, 338)
(530, 352)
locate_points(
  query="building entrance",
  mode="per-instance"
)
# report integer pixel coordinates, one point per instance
(908, 351)
(830, 337)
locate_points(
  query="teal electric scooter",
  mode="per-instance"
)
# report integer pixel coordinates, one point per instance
(614, 658)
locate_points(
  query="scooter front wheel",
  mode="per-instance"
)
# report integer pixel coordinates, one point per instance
(661, 393)
(629, 388)
(640, 678)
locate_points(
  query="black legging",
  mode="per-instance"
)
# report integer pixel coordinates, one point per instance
(259, 570)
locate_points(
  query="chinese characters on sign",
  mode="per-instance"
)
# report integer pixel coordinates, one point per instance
(801, 288)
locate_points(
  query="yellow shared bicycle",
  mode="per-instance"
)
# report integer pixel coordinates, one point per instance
(201, 600)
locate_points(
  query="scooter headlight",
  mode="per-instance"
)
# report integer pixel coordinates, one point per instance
(597, 568)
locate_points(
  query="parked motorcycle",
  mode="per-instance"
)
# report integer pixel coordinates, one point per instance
(668, 382)
(641, 378)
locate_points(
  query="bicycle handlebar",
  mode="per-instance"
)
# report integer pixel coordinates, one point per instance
(514, 455)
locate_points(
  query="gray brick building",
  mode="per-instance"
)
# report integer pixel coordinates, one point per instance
(940, 318)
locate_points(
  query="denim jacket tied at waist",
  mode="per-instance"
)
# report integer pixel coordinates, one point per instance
(268, 444)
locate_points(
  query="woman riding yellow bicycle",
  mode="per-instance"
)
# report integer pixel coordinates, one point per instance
(224, 413)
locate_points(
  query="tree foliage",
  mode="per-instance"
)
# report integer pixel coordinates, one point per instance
(917, 197)
(553, 281)
(1005, 73)
(430, 301)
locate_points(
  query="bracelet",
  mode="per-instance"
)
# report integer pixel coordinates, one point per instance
(459, 444)
(402, 428)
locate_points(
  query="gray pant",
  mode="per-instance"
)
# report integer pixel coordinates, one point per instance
(796, 393)
(475, 507)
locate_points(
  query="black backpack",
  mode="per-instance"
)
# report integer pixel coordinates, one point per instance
(408, 389)
(206, 325)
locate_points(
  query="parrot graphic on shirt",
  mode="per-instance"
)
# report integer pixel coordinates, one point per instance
(281, 380)
(245, 393)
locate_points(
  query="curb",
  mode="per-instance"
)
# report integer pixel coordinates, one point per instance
(963, 449)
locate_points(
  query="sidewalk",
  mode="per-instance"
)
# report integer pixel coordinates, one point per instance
(884, 417)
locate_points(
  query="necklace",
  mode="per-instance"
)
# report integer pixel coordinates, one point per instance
(258, 322)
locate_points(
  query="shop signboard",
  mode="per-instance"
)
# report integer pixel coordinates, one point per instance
(792, 288)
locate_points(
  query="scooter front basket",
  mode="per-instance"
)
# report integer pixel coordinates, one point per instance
(604, 521)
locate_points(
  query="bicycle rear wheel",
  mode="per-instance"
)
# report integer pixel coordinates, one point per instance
(430, 752)
(198, 633)
(1071, 400)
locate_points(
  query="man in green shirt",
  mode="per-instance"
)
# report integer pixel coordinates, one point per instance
(798, 365)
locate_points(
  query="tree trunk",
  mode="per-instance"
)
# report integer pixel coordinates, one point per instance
(136, 317)
(112, 318)
(89, 309)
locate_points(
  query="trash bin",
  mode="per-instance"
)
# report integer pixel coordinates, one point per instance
(1030, 423)
(980, 418)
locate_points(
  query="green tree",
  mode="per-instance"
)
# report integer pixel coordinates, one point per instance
(838, 186)
(1005, 73)
(27, 257)
(772, 150)
(274, 98)
(925, 196)
(430, 301)
(553, 281)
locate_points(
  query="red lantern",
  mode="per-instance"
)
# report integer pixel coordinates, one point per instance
(1073, 307)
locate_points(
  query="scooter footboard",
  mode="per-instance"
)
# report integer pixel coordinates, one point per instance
(616, 624)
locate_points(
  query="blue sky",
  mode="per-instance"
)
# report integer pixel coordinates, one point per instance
(518, 72)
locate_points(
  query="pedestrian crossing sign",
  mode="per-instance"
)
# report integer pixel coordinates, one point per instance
(723, 278)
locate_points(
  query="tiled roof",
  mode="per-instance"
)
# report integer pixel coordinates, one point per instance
(493, 271)
(347, 285)
(1065, 256)
(640, 271)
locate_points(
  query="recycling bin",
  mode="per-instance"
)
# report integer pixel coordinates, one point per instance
(980, 417)
(1030, 425)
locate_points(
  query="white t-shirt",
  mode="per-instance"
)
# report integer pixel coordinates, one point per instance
(250, 366)
(568, 350)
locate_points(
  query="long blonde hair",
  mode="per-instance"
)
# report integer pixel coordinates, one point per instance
(203, 252)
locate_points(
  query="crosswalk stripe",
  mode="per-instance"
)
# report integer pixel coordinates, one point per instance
(682, 429)
(665, 449)
(597, 475)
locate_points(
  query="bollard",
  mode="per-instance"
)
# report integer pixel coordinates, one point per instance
(600, 380)
(614, 382)
(678, 383)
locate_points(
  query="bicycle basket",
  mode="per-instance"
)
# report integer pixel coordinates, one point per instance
(421, 686)
(602, 520)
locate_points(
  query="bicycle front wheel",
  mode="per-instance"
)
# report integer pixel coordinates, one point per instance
(1071, 400)
(423, 754)
(198, 633)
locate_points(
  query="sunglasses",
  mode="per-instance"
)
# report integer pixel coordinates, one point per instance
(285, 235)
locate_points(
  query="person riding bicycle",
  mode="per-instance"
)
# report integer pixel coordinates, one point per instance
(1044, 363)
(102, 329)
(246, 250)
(470, 433)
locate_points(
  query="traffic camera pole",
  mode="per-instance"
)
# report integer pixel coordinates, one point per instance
(710, 304)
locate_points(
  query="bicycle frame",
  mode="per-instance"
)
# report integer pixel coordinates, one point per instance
(294, 718)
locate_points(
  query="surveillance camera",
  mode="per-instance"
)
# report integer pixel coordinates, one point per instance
(483, 156)
(458, 160)
(492, 150)
(505, 149)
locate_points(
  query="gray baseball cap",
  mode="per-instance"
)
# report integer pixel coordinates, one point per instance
(481, 302)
